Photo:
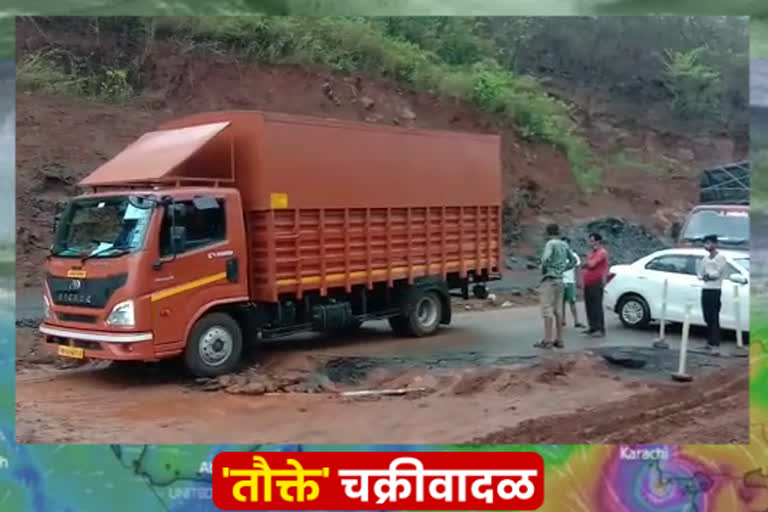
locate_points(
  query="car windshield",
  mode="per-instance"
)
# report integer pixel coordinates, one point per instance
(731, 227)
(102, 227)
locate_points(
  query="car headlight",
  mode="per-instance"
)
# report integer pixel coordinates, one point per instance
(47, 313)
(122, 315)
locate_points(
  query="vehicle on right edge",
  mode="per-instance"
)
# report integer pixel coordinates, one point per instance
(635, 291)
(723, 208)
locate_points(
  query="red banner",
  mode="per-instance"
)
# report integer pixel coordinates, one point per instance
(378, 481)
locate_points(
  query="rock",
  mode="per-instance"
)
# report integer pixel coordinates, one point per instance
(685, 154)
(407, 113)
(367, 103)
(254, 388)
(467, 307)
(507, 304)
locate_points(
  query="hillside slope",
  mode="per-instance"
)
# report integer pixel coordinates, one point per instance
(649, 175)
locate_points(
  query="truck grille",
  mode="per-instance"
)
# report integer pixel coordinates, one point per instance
(83, 319)
(89, 293)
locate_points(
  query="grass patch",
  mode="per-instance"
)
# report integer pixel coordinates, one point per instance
(58, 72)
(622, 161)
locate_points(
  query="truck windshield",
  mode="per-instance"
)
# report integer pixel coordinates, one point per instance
(103, 227)
(731, 227)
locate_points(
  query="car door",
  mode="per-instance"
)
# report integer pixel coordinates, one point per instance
(675, 269)
(728, 310)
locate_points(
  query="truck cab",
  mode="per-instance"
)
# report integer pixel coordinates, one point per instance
(729, 222)
(723, 208)
(130, 271)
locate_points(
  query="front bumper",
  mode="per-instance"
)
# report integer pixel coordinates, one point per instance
(100, 345)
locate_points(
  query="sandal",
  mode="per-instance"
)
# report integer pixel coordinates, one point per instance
(543, 344)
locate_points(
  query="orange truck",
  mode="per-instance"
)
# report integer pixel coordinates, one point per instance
(230, 226)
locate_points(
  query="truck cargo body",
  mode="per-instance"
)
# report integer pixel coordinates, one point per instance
(330, 203)
(307, 224)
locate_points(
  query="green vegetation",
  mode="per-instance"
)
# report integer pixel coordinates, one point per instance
(695, 87)
(759, 183)
(695, 68)
(7, 38)
(44, 71)
(622, 161)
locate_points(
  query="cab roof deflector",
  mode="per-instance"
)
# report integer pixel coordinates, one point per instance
(177, 155)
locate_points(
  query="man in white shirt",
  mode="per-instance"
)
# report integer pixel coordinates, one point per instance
(569, 281)
(711, 270)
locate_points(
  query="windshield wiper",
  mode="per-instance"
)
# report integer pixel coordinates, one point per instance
(121, 249)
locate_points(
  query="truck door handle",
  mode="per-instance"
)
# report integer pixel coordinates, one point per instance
(232, 270)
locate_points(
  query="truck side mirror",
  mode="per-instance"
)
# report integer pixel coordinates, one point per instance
(56, 220)
(178, 238)
(674, 231)
(57, 216)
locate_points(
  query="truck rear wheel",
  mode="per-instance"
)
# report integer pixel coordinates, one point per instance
(425, 315)
(214, 346)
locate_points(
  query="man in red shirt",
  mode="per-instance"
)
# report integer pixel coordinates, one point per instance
(595, 272)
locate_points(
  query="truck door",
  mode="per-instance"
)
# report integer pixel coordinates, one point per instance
(197, 266)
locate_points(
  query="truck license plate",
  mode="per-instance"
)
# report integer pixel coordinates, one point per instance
(77, 353)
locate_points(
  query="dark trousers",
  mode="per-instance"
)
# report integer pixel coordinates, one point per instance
(710, 307)
(593, 302)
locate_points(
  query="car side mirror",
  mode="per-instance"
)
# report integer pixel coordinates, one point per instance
(738, 279)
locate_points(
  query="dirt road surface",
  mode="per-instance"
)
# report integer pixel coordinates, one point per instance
(477, 381)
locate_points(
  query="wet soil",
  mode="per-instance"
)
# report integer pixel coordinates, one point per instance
(299, 396)
(709, 410)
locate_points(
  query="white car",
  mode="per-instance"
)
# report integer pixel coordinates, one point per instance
(635, 291)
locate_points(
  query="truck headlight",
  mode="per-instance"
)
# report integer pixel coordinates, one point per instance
(122, 315)
(47, 313)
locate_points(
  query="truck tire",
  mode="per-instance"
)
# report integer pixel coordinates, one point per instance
(425, 314)
(480, 291)
(214, 346)
(399, 325)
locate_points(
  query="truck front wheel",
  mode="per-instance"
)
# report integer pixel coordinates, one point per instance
(214, 346)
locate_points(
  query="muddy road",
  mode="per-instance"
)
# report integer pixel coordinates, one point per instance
(293, 391)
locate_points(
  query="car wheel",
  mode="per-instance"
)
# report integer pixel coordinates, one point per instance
(634, 311)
